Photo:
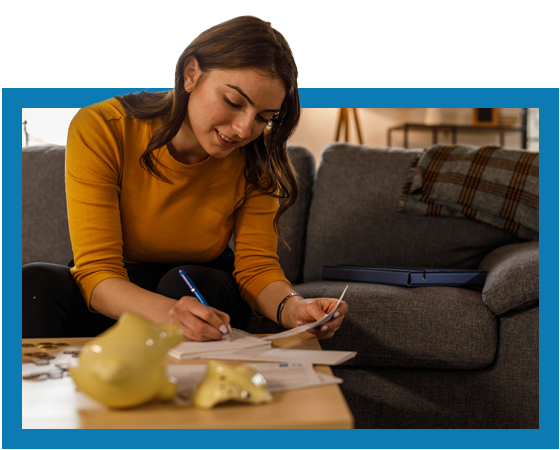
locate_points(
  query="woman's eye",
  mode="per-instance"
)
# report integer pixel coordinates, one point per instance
(230, 103)
(261, 119)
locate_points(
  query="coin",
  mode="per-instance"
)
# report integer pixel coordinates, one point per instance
(48, 357)
(54, 374)
(37, 354)
(41, 362)
(26, 361)
(71, 352)
(36, 377)
(61, 344)
(63, 366)
(45, 343)
(48, 347)
(28, 345)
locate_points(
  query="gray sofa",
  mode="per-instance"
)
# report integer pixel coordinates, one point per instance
(432, 357)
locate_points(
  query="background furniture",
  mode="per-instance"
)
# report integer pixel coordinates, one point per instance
(484, 120)
(406, 127)
(427, 357)
(489, 117)
(344, 122)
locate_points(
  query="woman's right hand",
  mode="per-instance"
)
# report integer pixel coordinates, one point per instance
(115, 296)
(199, 322)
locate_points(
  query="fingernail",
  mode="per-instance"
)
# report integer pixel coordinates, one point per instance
(311, 330)
(299, 322)
(336, 314)
(229, 328)
(223, 329)
(324, 328)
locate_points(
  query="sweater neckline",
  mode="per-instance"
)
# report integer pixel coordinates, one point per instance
(167, 159)
(164, 156)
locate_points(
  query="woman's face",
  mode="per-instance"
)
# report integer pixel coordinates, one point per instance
(228, 108)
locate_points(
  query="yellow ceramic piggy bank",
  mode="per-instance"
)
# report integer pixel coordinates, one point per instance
(125, 365)
(222, 383)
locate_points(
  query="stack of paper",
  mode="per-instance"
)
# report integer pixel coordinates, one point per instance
(324, 357)
(239, 340)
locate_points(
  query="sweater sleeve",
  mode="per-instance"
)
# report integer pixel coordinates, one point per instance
(93, 158)
(256, 258)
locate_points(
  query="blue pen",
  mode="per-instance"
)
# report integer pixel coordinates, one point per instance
(192, 287)
(197, 294)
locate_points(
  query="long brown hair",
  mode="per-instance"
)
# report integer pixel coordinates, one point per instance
(243, 42)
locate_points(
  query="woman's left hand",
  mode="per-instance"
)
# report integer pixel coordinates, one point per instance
(298, 312)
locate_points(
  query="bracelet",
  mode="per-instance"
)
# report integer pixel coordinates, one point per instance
(281, 308)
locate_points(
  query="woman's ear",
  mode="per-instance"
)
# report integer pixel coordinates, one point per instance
(191, 73)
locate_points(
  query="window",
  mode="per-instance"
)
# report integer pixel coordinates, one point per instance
(42, 126)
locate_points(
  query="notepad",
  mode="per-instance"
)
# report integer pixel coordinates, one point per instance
(324, 357)
(239, 340)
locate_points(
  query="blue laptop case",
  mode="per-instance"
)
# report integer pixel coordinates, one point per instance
(405, 276)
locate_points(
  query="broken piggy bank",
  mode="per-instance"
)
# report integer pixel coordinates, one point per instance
(125, 365)
(223, 382)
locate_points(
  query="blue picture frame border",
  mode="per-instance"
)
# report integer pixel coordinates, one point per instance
(13, 100)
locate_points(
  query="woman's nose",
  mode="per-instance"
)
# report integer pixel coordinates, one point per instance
(242, 126)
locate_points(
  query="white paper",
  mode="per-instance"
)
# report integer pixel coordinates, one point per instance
(279, 377)
(308, 326)
(240, 340)
(324, 357)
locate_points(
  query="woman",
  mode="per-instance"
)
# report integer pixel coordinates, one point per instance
(157, 182)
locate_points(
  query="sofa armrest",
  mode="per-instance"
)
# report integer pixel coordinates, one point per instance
(513, 277)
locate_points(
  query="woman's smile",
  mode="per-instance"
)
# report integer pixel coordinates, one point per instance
(226, 141)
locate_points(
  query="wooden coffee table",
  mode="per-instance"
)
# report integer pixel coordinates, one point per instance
(56, 403)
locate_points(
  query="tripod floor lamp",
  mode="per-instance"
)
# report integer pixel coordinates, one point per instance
(344, 122)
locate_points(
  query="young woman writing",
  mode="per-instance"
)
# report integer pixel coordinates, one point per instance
(158, 182)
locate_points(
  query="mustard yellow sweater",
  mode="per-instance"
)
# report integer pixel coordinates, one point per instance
(119, 212)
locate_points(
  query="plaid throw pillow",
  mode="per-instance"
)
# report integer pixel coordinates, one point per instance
(489, 184)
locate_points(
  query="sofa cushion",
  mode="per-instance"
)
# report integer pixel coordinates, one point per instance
(428, 327)
(497, 186)
(354, 219)
(513, 277)
(505, 395)
(45, 235)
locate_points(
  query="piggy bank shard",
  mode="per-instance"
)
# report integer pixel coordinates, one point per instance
(223, 382)
(125, 365)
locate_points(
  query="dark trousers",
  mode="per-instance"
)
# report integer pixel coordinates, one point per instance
(52, 305)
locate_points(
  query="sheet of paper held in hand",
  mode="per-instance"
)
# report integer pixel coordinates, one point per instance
(301, 329)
